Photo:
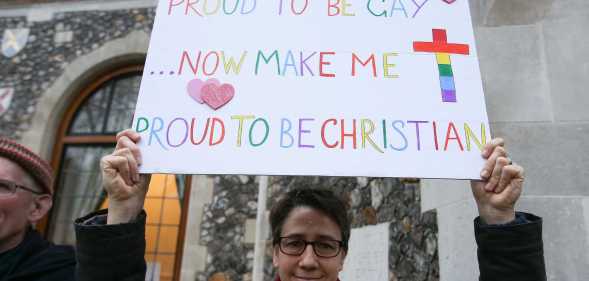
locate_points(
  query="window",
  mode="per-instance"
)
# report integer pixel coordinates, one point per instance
(88, 133)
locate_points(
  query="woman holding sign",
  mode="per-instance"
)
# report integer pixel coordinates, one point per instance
(310, 228)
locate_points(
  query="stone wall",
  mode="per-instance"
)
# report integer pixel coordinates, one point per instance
(413, 235)
(229, 256)
(413, 239)
(12, 3)
(51, 46)
(534, 58)
(54, 43)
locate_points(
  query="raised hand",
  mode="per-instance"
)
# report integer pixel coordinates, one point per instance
(120, 178)
(501, 185)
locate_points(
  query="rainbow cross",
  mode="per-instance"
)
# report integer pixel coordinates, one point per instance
(443, 49)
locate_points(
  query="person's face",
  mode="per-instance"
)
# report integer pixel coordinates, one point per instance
(310, 225)
(18, 210)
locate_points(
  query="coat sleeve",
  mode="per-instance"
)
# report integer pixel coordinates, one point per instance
(110, 252)
(512, 252)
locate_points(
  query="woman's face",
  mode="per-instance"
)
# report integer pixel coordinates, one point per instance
(310, 225)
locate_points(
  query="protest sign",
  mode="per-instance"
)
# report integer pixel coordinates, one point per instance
(313, 87)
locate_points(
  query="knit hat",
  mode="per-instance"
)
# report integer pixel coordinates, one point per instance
(38, 168)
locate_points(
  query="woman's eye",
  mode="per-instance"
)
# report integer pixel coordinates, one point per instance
(325, 245)
(295, 243)
(4, 188)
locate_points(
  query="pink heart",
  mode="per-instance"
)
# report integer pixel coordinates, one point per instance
(449, 1)
(217, 96)
(195, 86)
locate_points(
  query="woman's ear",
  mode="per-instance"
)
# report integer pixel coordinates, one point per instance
(275, 256)
(341, 265)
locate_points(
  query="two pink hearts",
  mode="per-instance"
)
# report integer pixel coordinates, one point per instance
(211, 92)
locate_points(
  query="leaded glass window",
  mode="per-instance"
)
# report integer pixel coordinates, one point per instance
(87, 134)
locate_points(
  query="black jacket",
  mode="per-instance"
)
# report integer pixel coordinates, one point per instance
(512, 252)
(116, 252)
(36, 259)
(110, 252)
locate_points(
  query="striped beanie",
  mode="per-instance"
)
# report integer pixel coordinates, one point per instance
(38, 168)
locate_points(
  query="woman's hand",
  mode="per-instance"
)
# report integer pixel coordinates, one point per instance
(120, 178)
(500, 187)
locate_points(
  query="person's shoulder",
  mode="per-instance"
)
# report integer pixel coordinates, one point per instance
(38, 249)
(65, 251)
(56, 256)
(53, 262)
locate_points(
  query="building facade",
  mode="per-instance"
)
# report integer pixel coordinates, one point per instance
(69, 76)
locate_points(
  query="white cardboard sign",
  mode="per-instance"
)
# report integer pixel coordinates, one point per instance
(313, 87)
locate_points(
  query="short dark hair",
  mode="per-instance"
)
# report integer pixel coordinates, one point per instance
(322, 200)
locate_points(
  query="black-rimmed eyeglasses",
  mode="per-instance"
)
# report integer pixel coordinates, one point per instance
(324, 248)
(8, 188)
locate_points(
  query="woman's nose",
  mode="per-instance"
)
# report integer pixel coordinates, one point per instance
(308, 258)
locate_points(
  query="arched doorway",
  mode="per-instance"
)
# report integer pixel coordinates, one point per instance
(86, 133)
